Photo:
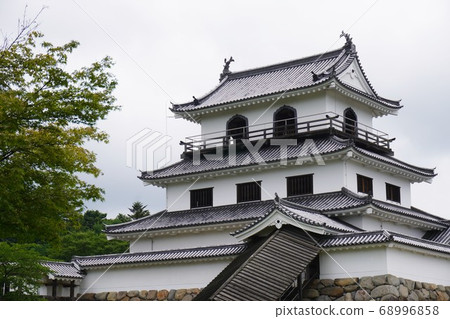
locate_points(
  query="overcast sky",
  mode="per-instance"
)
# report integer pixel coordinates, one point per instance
(168, 51)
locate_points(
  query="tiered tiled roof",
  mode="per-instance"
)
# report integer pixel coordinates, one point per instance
(324, 204)
(283, 78)
(270, 155)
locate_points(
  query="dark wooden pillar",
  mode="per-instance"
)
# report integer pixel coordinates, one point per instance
(54, 287)
(72, 289)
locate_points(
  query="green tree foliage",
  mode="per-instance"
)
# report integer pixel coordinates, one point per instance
(138, 211)
(93, 220)
(47, 113)
(119, 219)
(86, 243)
(20, 270)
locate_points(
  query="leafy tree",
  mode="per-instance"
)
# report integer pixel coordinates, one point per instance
(86, 243)
(20, 269)
(46, 115)
(93, 220)
(138, 211)
(119, 219)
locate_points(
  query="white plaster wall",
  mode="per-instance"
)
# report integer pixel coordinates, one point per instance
(189, 240)
(418, 267)
(327, 178)
(370, 223)
(337, 103)
(384, 260)
(353, 263)
(261, 113)
(172, 276)
(379, 182)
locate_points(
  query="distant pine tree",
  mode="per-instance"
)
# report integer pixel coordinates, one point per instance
(138, 211)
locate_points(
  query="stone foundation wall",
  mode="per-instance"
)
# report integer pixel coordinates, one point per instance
(143, 295)
(384, 287)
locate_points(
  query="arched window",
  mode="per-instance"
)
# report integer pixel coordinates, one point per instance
(237, 127)
(350, 122)
(285, 121)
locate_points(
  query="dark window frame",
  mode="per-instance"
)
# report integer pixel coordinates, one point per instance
(240, 131)
(350, 121)
(393, 193)
(284, 126)
(248, 192)
(364, 184)
(203, 200)
(300, 185)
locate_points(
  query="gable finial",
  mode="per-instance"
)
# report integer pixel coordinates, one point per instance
(348, 40)
(277, 198)
(226, 68)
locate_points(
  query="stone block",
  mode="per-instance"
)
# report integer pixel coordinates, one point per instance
(311, 293)
(162, 295)
(392, 280)
(187, 298)
(112, 296)
(348, 297)
(171, 295)
(345, 281)
(332, 291)
(403, 291)
(126, 298)
(418, 285)
(447, 290)
(442, 296)
(135, 299)
(384, 290)
(433, 295)
(351, 288)
(440, 288)
(101, 296)
(121, 295)
(362, 295)
(314, 284)
(143, 294)
(379, 280)
(420, 295)
(366, 283)
(133, 293)
(429, 286)
(426, 293)
(327, 282)
(180, 293)
(410, 284)
(413, 296)
(152, 294)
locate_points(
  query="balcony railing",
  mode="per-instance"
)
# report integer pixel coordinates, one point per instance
(329, 122)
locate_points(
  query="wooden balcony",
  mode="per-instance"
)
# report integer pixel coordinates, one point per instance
(295, 128)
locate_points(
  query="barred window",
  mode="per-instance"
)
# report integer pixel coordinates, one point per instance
(201, 197)
(248, 192)
(365, 184)
(299, 185)
(392, 193)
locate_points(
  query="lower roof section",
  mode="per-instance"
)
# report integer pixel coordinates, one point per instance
(378, 237)
(165, 256)
(63, 270)
(329, 204)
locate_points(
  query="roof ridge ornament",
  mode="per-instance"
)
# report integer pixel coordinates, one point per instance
(226, 68)
(349, 46)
